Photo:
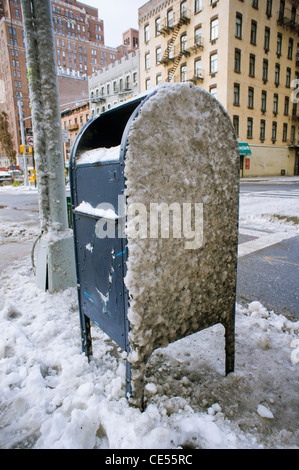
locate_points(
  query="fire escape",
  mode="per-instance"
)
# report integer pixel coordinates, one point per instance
(174, 54)
(288, 18)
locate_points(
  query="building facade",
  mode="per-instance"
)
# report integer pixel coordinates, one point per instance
(114, 84)
(244, 52)
(73, 119)
(80, 51)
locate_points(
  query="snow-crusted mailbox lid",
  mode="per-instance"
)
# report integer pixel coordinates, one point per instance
(170, 269)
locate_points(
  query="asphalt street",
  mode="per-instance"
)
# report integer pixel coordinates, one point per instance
(269, 275)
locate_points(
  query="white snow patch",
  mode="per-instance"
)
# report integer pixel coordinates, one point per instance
(86, 208)
(101, 154)
(89, 247)
(264, 412)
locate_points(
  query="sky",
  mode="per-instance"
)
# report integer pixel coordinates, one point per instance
(118, 16)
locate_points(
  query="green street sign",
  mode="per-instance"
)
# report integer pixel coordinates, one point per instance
(244, 149)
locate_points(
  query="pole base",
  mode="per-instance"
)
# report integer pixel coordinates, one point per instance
(55, 263)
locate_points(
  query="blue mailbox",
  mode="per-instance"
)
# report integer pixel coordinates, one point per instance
(174, 148)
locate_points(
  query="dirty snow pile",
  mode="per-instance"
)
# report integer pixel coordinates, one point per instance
(16, 231)
(51, 397)
(275, 213)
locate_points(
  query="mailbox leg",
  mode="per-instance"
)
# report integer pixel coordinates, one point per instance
(86, 335)
(135, 395)
(128, 379)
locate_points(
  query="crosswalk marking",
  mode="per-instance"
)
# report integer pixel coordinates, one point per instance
(263, 241)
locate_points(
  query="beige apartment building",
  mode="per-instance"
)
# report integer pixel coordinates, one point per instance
(244, 52)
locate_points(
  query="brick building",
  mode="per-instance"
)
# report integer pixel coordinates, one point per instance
(80, 51)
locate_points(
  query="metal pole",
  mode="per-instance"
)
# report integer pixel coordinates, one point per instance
(55, 268)
(23, 141)
(45, 113)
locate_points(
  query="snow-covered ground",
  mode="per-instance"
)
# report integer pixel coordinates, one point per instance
(51, 397)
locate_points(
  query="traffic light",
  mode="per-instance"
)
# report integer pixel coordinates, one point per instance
(25, 149)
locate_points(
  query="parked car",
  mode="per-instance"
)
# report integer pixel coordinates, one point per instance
(5, 177)
(17, 175)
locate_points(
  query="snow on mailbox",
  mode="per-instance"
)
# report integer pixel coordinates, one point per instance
(155, 198)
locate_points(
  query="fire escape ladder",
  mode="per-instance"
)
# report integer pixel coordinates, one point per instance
(175, 66)
(165, 57)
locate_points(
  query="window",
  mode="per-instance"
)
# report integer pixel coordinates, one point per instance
(213, 90)
(277, 74)
(170, 18)
(269, 8)
(238, 31)
(293, 134)
(290, 48)
(253, 32)
(288, 77)
(170, 50)
(147, 83)
(146, 33)
(265, 70)
(158, 55)
(274, 131)
(263, 130)
(197, 6)
(213, 63)
(236, 94)
(183, 75)
(236, 124)
(249, 128)
(214, 29)
(286, 105)
(237, 61)
(158, 79)
(275, 105)
(183, 9)
(147, 61)
(250, 98)
(197, 68)
(264, 101)
(183, 42)
(285, 133)
(267, 39)
(252, 65)
(198, 35)
(157, 26)
(279, 44)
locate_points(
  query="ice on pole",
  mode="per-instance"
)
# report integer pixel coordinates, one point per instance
(55, 258)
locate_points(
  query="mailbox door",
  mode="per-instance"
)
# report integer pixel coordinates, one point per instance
(100, 260)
